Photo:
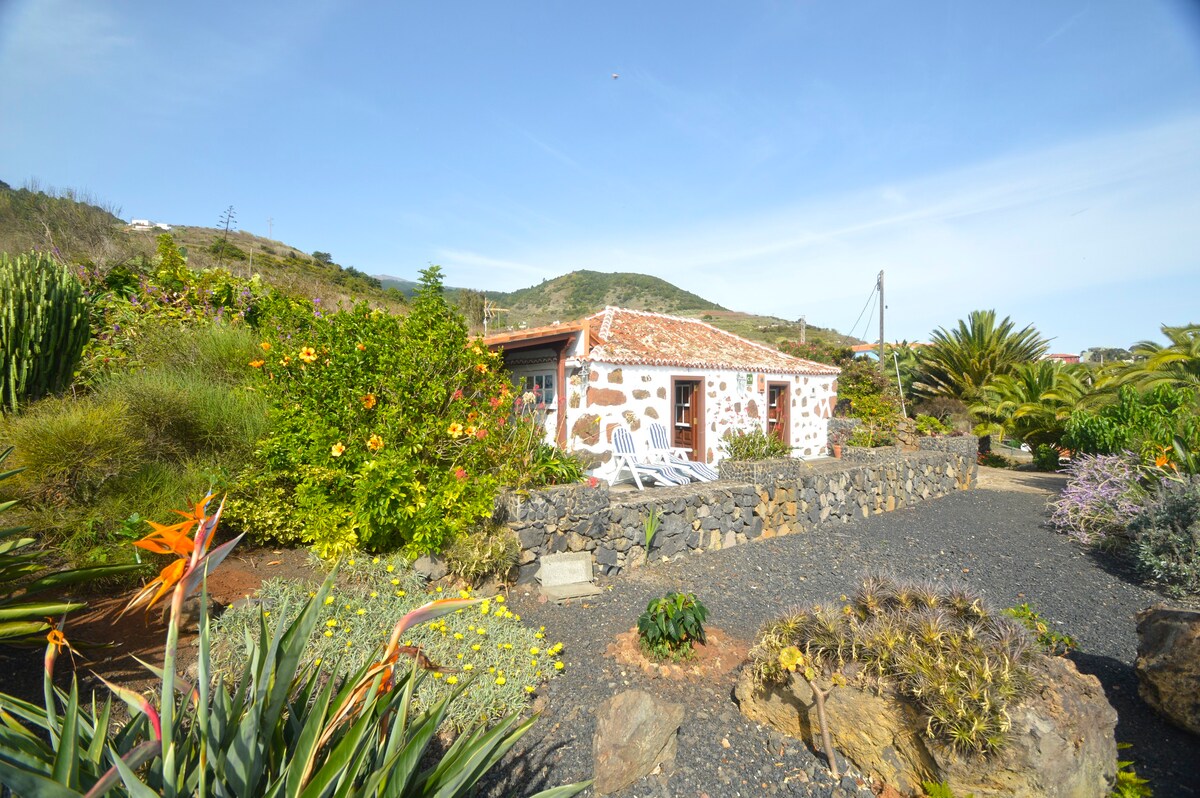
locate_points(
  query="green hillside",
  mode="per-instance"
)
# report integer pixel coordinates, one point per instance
(84, 230)
(582, 293)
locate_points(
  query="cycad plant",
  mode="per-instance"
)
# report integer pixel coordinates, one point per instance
(1032, 402)
(279, 730)
(959, 362)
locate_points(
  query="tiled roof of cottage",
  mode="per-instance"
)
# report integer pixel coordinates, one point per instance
(654, 339)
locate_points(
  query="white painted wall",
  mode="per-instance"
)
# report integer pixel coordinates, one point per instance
(600, 395)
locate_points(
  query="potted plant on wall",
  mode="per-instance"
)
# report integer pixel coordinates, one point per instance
(837, 438)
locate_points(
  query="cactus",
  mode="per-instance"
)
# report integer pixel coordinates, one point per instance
(43, 327)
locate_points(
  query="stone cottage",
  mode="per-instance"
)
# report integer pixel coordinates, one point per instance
(633, 367)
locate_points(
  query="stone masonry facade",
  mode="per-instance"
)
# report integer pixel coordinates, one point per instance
(750, 501)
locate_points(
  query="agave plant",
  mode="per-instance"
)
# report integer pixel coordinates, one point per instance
(22, 617)
(281, 729)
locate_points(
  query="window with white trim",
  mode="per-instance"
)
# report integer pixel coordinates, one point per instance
(541, 385)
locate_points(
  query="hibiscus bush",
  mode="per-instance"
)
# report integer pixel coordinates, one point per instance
(386, 432)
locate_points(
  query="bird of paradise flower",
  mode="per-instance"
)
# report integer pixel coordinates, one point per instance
(195, 560)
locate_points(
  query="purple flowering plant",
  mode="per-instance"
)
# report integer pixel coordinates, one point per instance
(1103, 494)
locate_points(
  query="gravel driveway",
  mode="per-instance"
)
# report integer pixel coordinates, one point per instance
(992, 538)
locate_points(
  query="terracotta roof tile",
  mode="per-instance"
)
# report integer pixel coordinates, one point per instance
(654, 339)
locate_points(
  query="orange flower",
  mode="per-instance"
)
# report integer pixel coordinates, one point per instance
(308, 354)
(360, 346)
(481, 433)
(266, 347)
(375, 443)
(286, 360)
(257, 363)
(470, 429)
(337, 449)
(193, 553)
(455, 430)
(482, 368)
(369, 401)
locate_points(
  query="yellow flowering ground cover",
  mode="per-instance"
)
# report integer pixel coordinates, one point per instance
(487, 647)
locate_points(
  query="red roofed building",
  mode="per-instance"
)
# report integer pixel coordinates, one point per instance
(1065, 358)
(632, 368)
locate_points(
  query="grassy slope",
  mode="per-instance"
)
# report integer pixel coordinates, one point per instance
(584, 292)
(82, 229)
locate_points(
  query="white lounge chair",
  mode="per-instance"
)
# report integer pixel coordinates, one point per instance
(661, 451)
(626, 457)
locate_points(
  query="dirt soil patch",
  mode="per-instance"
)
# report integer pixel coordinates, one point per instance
(110, 644)
(1008, 479)
(710, 661)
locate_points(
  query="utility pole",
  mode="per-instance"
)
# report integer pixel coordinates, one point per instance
(882, 364)
(271, 227)
(803, 330)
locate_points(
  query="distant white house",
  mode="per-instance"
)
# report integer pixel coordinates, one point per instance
(146, 224)
(632, 368)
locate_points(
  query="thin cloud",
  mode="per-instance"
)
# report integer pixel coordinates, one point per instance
(1004, 231)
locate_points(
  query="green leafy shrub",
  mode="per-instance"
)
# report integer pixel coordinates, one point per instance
(486, 645)
(1166, 536)
(1144, 422)
(869, 395)
(753, 445)
(43, 327)
(671, 625)
(280, 726)
(490, 551)
(398, 432)
(931, 425)
(993, 460)
(1052, 642)
(138, 309)
(1045, 457)
(549, 465)
(942, 647)
(1129, 784)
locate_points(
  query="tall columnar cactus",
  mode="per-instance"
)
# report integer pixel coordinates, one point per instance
(43, 327)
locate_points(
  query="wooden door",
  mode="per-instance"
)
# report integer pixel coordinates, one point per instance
(687, 417)
(778, 418)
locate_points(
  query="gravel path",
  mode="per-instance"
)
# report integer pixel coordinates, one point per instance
(992, 539)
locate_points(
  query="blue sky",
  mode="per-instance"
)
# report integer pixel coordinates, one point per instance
(1039, 158)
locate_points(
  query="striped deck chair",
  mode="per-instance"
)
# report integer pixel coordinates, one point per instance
(661, 451)
(626, 457)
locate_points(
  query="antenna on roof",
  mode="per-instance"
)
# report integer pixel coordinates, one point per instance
(490, 311)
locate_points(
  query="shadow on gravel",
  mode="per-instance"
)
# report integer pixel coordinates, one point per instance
(530, 771)
(1121, 566)
(1162, 753)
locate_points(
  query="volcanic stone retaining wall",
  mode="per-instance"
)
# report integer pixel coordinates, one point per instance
(751, 500)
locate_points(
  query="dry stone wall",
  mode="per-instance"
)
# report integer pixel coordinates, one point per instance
(750, 501)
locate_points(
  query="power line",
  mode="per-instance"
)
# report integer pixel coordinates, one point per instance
(870, 296)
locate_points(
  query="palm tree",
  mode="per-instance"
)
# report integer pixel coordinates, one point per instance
(1032, 402)
(959, 362)
(1177, 364)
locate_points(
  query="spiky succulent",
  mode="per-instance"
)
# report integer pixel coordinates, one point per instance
(941, 646)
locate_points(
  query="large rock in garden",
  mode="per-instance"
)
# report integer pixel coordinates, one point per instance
(635, 733)
(1168, 664)
(1061, 744)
